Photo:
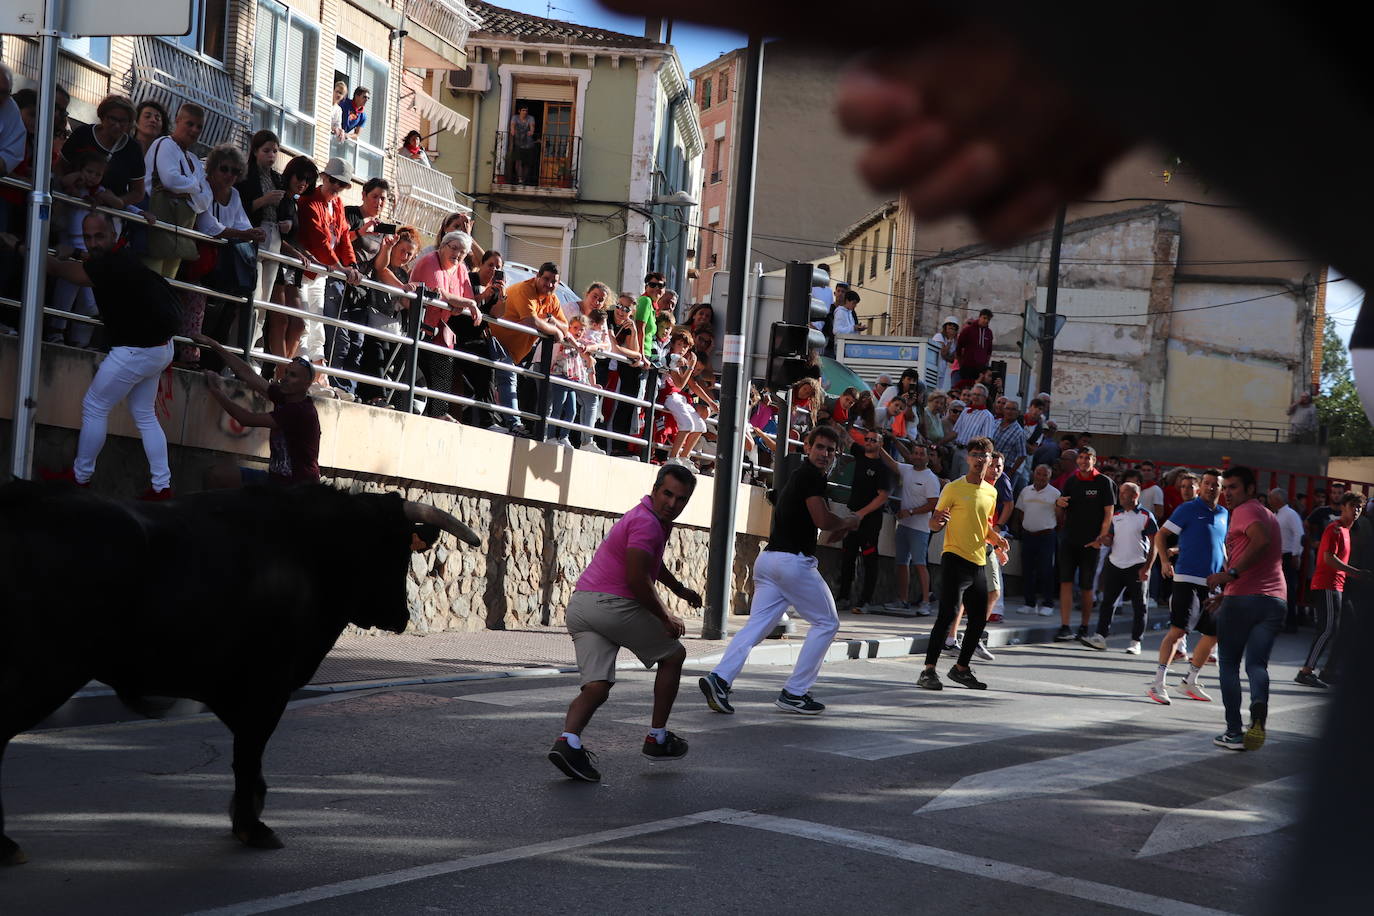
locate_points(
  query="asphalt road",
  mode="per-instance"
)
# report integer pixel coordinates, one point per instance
(1061, 789)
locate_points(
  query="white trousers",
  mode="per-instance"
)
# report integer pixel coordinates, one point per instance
(783, 580)
(312, 300)
(127, 372)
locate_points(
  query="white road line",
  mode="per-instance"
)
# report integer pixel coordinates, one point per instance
(1252, 811)
(467, 863)
(974, 866)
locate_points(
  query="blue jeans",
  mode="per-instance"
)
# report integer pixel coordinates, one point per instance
(503, 383)
(343, 348)
(1037, 567)
(563, 407)
(1246, 626)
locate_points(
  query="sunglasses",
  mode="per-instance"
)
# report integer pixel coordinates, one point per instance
(655, 285)
(622, 308)
(231, 170)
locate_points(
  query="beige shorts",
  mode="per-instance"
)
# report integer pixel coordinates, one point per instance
(601, 624)
(992, 570)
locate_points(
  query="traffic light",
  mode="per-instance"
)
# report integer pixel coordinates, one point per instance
(798, 305)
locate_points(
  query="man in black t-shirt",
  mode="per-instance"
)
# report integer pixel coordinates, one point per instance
(867, 495)
(785, 575)
(140, 313)
(1085, 519)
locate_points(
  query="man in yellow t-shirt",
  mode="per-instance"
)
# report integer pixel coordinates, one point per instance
(534, 304)
(964, 512)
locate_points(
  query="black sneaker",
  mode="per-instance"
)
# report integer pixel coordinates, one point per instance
(1232, 741)
(717, 693)
(1064, 634)
(1254, 735)
(1082, 635)
(954, 647)
(929, 680)
(1309, 680)
(672, 748)
(966, 678)
(575, 762)
(802, 704)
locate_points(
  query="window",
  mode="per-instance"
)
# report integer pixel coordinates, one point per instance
(95, 49)
(719, 156)
(285, 60)
(873, 257)
(859, 261)
(706, 93)
(891, 232)
(209, 25)
(357, 69)
(723, 85)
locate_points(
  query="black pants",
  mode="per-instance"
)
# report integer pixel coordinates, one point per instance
(863, 541)
(966, 581)
(1291, 562)
(478, 381)
(1114, 582)
(622, 421)
(438, 371)
(1328, 604)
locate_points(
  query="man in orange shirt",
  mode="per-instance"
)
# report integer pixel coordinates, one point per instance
(534, 304)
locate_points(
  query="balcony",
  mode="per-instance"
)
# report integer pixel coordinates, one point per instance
(549, 169)
(424, 196)
(438, 30)
(167, 73)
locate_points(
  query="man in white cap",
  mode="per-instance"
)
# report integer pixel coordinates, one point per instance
(945, 339)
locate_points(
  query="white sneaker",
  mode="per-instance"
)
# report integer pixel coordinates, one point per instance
(923, 609)
(496, 428)
(901, 607)
(1160, 694)
(982, 651)
(1096, 641)
(591, 446)
(1046, 611)
(1133, 648)
(1194, 690)
(565, 442)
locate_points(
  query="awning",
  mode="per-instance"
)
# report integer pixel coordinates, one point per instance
(439, 115)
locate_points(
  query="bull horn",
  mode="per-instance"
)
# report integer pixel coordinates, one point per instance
(423, 513)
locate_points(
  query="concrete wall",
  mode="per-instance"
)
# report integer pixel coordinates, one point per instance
(1299, 459)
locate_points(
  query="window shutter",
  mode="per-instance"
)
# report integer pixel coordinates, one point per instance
(263, 62)
(302, 45)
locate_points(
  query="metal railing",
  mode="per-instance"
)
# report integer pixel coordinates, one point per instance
(411, 342)
(1235, 429)
(451, 20)
(553, 162)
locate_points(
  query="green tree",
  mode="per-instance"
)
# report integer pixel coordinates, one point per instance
(1348, 430)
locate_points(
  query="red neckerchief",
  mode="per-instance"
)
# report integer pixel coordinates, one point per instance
(1092, 472)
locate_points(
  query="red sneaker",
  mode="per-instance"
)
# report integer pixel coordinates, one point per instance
(156, 496)
(994, 618)
(67, 475)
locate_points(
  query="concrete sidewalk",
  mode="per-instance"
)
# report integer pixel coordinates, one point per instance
(358, 662)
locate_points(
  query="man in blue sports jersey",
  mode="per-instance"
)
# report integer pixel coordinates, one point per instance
(1201, 528)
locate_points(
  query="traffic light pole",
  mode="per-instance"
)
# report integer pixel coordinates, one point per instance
(720, 566)
(1051, 304)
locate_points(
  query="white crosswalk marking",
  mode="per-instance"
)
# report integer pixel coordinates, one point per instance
(1256, 810)
(1073, 772)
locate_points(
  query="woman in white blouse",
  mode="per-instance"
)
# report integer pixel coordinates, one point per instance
(223, 218)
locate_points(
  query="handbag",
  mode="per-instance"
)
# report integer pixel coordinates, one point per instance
(169, 208)
(235, 270)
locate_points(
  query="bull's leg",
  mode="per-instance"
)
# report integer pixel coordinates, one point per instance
(27, 697)
(252, 725)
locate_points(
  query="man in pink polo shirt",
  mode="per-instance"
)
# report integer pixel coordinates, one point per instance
(614, 605)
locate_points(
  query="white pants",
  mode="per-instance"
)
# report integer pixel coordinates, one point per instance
(312, 300)
(688, 420)
(128, 372)
(783, 580)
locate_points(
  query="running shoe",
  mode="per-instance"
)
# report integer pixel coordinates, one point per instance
(575, 762)
(929, 680)
(1232, 741)
(802, 704)
(1310, 680)
(672, 747)
(1046, 611)
(900, 607)
(1133, 648)
(1028, 610)
(1212, 658)
(994, 618)
(923, 610)
(1160, 694)
(1179, 655)
(591, 446)
(1096, 641)
(966, 678)
(954, 645)
(1254, 735)
(717, 693)
(1064, 635)
(1194, 690)
(1082, 633)
(983, 652)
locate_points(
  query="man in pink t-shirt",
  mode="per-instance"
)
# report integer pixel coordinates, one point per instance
(614, 605)
(1252, 607)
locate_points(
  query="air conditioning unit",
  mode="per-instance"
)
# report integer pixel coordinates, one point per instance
(472, 78)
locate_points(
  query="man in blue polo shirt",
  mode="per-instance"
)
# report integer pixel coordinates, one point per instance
(1201, 528)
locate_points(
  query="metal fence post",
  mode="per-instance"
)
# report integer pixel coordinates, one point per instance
(545, 389)
(650, 395)
(414, 317)
(246, 323)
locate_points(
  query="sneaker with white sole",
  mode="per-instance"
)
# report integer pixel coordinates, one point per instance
(923, 610)
(1028, 610)
(1096, 641)
(953, 646)
(591, 446)
(1065, 634)
(1046, 611)
(1194, 690)
(1133, 648)
(1160, 694)
(983, 652)
(672, 748)
(899, 607)
(717, 693)
(565, 442)
(802, 704)
(1231, 741)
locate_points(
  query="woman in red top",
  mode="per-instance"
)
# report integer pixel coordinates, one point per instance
(1328, 586)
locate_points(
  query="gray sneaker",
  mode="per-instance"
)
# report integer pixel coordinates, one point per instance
(929, 680)
(981, 650)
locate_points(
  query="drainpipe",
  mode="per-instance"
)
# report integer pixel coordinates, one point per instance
(475, 125)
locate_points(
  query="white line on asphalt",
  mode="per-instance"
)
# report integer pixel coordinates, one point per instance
(467, 863)
(1252, 811)
(973, 866)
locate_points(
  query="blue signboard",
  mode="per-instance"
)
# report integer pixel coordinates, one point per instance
(885, 352)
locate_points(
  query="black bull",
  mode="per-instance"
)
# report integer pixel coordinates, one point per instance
(231, 598)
